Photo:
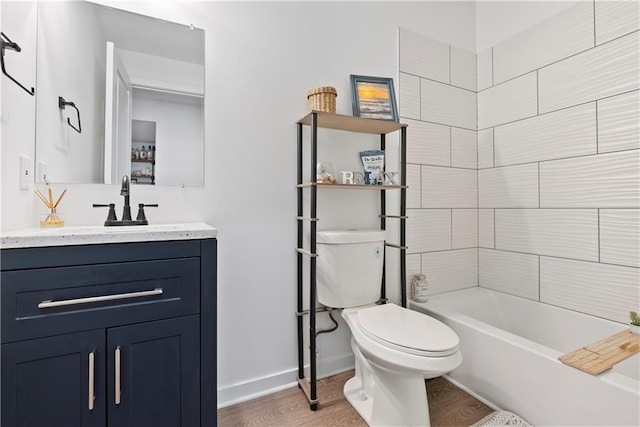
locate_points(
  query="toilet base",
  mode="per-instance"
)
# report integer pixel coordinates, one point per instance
(383, 397)
(354, 393)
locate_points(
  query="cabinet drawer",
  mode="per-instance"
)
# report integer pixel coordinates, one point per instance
(51, 301)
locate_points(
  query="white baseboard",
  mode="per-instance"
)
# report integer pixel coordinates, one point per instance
(257, 387)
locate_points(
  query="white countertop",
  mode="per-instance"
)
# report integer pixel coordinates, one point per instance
(64, 236)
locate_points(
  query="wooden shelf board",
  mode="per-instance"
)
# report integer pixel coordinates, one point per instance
(352, 186)
(353, 124)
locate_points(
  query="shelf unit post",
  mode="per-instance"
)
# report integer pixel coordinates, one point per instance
(312, 262)
(300, 259)
(403, 216)
(383, 226)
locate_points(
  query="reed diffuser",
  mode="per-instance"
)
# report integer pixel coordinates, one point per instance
(51, 219)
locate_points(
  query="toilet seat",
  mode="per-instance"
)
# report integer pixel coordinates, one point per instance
(407, 331)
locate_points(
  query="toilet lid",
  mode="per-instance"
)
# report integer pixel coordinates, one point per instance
(407, 330)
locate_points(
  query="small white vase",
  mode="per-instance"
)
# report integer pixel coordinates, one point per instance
(635, 329)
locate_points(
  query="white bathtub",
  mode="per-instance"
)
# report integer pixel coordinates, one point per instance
(510, 348)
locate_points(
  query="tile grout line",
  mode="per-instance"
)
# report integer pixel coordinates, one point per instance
(557, 110)
(548, 256)
(599, 250)
(556, 61)
(539, 280)
(581, 156)
(597, 131)
(494, 228)
(594, 24)
(539, 196)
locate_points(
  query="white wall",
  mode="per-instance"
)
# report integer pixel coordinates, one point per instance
(71, 32)
(18, 112)
(261, 58)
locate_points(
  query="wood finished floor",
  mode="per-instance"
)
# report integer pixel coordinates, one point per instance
(448, 407)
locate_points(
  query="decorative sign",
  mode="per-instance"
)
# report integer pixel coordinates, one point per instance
(390, 178)
(357, 178)
(352, 177)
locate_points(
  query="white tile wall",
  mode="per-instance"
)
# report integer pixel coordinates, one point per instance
(559, 160)
(464, 228)
(485, 228)
(509, 101)
(428, 143)
(409, 96)
(509, 272)
(485, 148)
(442, 156)
(508, 187)
(464, 148)
(463, 68)
(449, 187)
(565, 133)
(448, 105)
(603, 290)
(423, 56)
(566, 233)
(450, 270)
(558, 37)
(428, 230)
(619, 122)
(413, 182)
(557, 166)
(606, 70)
(609, 180)
(620, 236)
(615, 19)
(485, 69)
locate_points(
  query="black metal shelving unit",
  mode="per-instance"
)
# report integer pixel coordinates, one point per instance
(315, 120)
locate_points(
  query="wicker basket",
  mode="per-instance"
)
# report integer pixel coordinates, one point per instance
(322, 99)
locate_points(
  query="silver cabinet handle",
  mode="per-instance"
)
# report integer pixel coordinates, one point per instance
(61, 303)
(117, 379)
(92, 383)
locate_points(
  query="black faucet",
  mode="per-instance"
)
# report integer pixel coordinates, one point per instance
(125, 191)
(112, 220)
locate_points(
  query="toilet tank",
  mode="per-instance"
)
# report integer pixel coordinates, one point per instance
(349, 267)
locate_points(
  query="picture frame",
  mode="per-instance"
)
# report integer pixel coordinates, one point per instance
(373, 98)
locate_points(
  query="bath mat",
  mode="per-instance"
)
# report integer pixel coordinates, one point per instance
(502, 418)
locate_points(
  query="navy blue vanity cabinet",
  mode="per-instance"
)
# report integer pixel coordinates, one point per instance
(109, 335)
(45, 381)
(157, 365)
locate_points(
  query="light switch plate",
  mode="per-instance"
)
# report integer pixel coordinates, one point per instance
(41, 171)
(25, 173)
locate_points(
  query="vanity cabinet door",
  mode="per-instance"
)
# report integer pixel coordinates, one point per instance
(55, 381)
(153, 373)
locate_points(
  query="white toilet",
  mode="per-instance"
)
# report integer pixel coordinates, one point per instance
(395, 348)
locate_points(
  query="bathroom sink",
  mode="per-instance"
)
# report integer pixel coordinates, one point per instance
(155, 228)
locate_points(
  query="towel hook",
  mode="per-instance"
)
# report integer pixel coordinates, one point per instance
(8, 44)
(62, 104)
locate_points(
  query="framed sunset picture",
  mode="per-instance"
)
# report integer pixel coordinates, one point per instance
(373, 98)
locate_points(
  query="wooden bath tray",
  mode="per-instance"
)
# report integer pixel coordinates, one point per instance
(602, 355)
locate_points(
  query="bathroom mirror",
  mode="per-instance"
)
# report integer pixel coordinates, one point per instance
(118, 94)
